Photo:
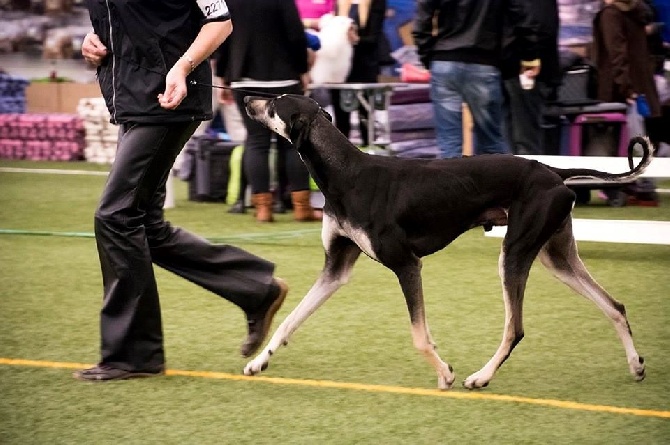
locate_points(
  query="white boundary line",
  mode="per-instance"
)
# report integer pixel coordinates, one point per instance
(52, 171)
(612, 231)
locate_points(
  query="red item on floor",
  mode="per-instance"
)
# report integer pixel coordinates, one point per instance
(414, 74)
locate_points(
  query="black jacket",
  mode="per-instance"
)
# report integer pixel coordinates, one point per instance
(368, 52)
(544, 13)
(144, 39)
(471, 31)
(268, 43)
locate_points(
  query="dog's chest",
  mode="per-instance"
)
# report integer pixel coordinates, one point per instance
(358, 236)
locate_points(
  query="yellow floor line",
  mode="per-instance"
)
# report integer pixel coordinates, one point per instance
(563, 404)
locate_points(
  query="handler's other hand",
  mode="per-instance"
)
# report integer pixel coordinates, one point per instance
(93, 50)
(226, 96)
(175, 88)
(352, 35)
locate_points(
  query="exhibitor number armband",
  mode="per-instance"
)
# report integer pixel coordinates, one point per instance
(214, 10)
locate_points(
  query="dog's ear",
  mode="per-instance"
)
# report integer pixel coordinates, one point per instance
(327, 114)
(300, 125)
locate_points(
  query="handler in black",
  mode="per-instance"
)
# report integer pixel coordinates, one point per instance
(145, 52)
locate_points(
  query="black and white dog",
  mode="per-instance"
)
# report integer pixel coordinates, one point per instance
(397, 211)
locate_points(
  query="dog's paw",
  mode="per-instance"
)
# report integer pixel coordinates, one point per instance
(637, 368)
(445, 383)
(445, 377)
(255, 366)
(476, 381)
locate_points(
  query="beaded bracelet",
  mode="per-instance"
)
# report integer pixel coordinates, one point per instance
(190, 60)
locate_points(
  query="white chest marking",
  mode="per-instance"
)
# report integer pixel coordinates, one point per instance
(361, 239)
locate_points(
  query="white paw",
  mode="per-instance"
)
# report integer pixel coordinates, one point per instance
(477, 380)
(256, 366)
(637, 368)
(445, 383)
(446, 378)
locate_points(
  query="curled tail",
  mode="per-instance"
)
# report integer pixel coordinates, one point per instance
(634, 172)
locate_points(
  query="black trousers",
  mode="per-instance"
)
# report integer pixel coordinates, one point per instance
(524, 116)
(343, 118)
(256, 159)
(131, 234)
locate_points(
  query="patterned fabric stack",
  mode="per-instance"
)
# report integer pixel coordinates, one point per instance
(12, 94)
(412, 123)
(41, 137)
(101, 135)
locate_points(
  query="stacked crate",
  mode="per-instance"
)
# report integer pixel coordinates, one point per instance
(41, 137)
(101, 135)
(12, 94)
(412, 123)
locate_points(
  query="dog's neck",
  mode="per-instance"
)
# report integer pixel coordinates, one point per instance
(323, 156)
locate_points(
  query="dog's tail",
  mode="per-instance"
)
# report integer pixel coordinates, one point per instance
(633, 173)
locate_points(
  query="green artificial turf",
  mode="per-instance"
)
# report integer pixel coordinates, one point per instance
(50, 295)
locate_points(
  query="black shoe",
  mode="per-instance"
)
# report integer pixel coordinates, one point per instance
(102, 373)
(259, 322)
(238, 207)
(278, 207)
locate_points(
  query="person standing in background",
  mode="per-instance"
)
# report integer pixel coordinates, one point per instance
(658, 39)
(460, 41)
(662, 12)
(267, 54)
(368, 16)
(621, 56)
(145, 86)
(524, 106)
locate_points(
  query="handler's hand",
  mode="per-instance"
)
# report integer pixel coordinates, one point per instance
(226, 96)
(305, 81)
(93, 50)
(175, 87)
(352, 35)
(531, 68)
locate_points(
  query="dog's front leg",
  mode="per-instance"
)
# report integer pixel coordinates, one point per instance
(317, 295)
(409, 277)
(341, 254)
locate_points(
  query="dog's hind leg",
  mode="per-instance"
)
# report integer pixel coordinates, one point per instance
(409, 276)
(341, 255)
(561, 257)
(532, 222)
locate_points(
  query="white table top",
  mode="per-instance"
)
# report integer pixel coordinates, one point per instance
(358, 86)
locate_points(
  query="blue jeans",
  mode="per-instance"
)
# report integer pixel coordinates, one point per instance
(480, 87)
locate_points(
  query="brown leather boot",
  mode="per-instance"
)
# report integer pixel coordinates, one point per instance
(302, 210)
(263, 204)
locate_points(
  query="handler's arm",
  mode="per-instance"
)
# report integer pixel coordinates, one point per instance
(422, 31)
(211, 36)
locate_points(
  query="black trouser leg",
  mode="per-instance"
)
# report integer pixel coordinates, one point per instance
(342, 118)
(131, 233)
(243, 181)
(524, 117)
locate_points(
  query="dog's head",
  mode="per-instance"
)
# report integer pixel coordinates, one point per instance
(288, 115)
